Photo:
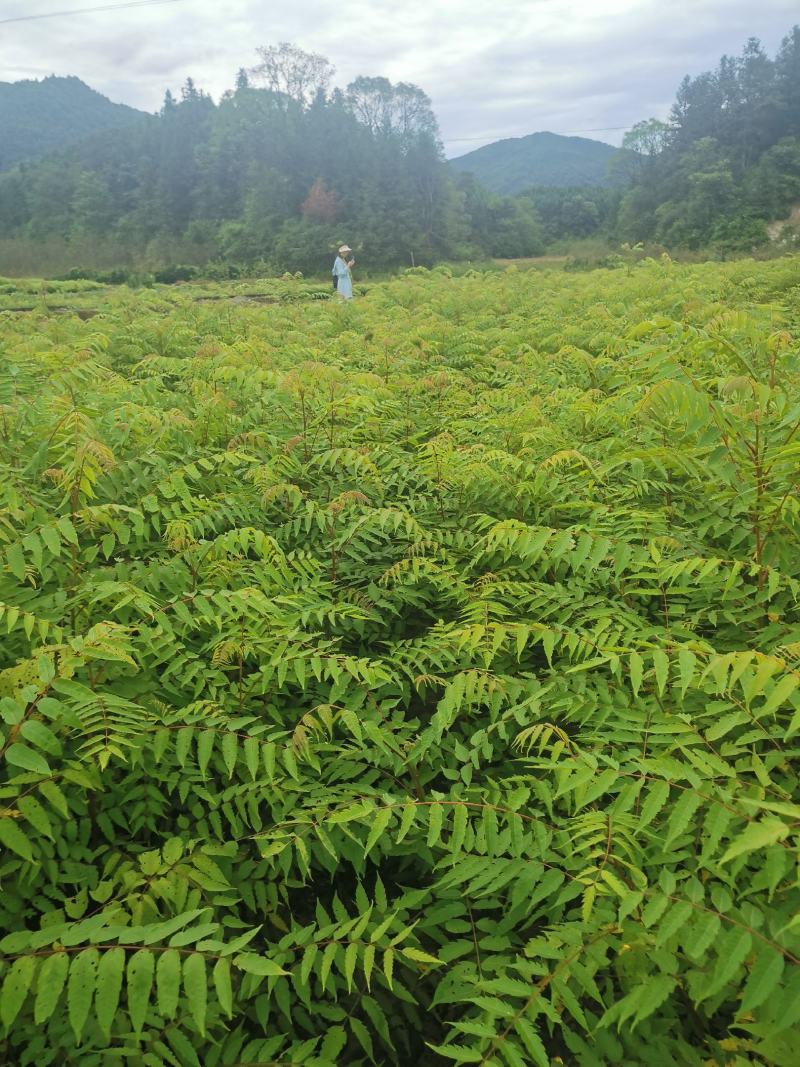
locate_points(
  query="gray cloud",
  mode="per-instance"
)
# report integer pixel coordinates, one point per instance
(500, 69)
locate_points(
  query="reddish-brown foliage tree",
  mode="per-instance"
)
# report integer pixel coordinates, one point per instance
(321, 204)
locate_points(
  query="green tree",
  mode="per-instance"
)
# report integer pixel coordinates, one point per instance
(92, 207)
(787, 82)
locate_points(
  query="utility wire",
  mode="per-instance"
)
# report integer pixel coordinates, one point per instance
(88, 10)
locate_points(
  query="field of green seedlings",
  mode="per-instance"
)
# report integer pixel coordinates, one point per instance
(415, 681)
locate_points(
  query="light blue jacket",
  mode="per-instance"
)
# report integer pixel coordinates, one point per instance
(344, 284)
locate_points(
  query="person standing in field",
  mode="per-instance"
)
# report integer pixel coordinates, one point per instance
(341, 273)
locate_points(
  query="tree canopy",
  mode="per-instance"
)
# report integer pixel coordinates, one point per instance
(727, 160)
(286, 165)
(282, 169)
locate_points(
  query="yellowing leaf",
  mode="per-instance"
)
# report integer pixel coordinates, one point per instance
(420, 957)
(253, 964)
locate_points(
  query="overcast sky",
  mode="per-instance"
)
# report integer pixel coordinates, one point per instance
(494, 68)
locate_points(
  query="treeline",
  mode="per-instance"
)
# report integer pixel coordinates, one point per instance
(282, 170)
(285, 167)
(726, 162)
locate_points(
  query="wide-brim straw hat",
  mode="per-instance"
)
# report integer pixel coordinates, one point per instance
(345, 248)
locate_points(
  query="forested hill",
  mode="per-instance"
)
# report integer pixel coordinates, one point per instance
(540, 159)
(40, 117)
(284, 167)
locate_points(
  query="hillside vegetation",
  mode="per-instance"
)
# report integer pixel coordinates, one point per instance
(284, 167)
(413, 681)
(542, 159)
(727, 162)
(281, 170)
(38, 118)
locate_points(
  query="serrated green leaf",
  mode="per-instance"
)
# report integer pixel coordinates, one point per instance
(733, 948)
(435, 818)
(16, 561)
(140, 982)
(459, 827)
(362, 1036)
(109, 985)
(51, 540)
(681, 815)
(350, 958)
(35, 814)
(654, 801)
(168, 983)
(756, 835)
(703, 933)
(388, 966)
(15, 988)
(765, 974)
(67, 530)
(28, 758)
(349, 813)
(661, 669)
(205, 746)
(253, 964)
(328, 956)
(230, 752)
(687, 663)
(13, 838)
(420, 957)
(52, 977)
(652, 995)
(406, 821)
(222, 985)
(532, 1042)
(369, 963)
(381, 821)
(196, 989)
(460, 1054)
(333, 1043)
(80, 988)
(252, 756)
(636, 669)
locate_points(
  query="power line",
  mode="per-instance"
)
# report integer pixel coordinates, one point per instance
(508, 137)
(88, 10)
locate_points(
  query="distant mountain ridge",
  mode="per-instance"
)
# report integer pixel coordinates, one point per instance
(41, 117)
(545, 159)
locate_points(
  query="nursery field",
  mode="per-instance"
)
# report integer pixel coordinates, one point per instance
(415, 681)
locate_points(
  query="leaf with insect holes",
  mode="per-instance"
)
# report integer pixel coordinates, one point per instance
(15, 988)
(80, 988)
(140, 979)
